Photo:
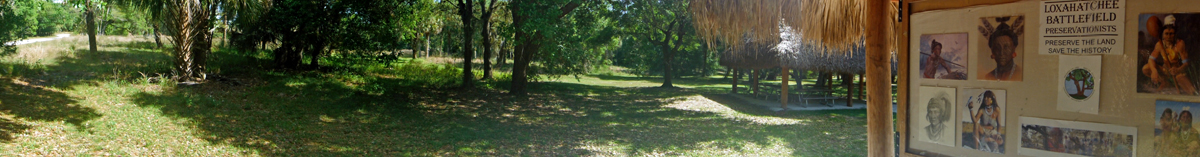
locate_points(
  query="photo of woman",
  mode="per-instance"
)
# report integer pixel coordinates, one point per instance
(983, 120)
(1175, 133)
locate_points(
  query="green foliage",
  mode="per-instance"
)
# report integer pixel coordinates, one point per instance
(651, 29)
(11, 28)
(122, 21)
(362, 29)
(574, 44)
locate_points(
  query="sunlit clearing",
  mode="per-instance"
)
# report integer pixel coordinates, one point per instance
(702, 104)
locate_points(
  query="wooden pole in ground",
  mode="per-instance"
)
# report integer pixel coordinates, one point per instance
(735, 79)
(783, 87)
(754, 81)
(861, 83)
(879, 107)
(849, 85)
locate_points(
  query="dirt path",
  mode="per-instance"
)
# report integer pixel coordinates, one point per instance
(34, 40)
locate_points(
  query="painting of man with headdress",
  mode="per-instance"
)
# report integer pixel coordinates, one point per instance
(1002, 37)
(1164, 53)
(937, 107)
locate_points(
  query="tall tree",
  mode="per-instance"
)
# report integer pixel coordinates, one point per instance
(188, 22)
(466, 13)
(11, 24)
(528, 16)
(486, 10)
(90, 18)
(665, 24)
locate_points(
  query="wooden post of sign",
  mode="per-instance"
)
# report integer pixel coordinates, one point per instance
(783, 87)
(879, 106)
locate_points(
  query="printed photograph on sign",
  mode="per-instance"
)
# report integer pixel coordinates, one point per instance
(1175, 130)
(1079, 79)
(983, 119)
(944, 56)
(936, 105)
(1041, 140)
(1165, 43)
(1001, 48)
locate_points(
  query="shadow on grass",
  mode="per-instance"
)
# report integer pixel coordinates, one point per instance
(310, 114)
(26, 101)
(689, 81)
(34, 90)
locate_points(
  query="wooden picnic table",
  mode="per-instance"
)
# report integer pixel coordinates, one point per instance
(804, 94)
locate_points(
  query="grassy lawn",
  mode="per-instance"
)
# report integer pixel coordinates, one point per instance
(57, 99)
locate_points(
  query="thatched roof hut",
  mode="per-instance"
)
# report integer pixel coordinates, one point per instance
(750, 56)
(795, 54)
(834, 24)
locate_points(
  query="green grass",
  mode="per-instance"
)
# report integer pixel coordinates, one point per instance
(76, 103)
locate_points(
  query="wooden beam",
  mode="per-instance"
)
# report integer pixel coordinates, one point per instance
(930, 5)
(879, 106)
(783, 87)
(902, 80)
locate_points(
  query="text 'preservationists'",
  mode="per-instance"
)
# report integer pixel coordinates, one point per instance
(1082, 27)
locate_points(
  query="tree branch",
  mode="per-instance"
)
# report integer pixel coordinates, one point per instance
(568, 8)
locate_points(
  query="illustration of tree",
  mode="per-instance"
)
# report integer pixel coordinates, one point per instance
(1083, 81)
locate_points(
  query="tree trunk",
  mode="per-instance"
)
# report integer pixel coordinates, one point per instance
(879, 107)
(91, 26)
(426, 46)
(189, 23)
(728, 71)
(667, 72)
(467, 14)
(156, 40)
(522, 53)
(528, 47)
(487, 47)
(414, 49)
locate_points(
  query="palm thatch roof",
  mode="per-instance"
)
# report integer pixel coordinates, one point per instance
(834, 24)
(790, 52)
(750, 56)
(794, 53)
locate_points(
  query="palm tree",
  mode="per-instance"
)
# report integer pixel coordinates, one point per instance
(188, 22)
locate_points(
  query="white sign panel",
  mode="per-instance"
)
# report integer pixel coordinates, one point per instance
(1082, 27)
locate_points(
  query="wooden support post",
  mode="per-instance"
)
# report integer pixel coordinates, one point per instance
(783, 87)
(848, 83)
(735, 79)
(861, 83)
(754, 81)
(879, 106)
